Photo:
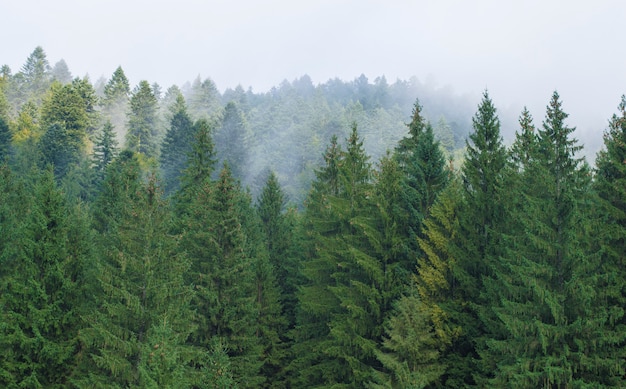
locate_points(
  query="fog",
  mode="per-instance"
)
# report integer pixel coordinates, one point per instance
(519, 51)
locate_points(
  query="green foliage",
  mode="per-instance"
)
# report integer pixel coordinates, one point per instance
(142, 121)
(104, 150)
(44, 262)
(177, 145)
(223, 275)
(231, 140)
(143, 298)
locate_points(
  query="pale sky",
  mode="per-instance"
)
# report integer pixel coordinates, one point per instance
(520, 51)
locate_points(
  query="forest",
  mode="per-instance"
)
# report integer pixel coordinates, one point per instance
(351, 234)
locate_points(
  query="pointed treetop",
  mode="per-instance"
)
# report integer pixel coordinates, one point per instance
(417, 125)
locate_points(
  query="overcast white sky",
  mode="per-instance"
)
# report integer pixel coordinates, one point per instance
(519, 50)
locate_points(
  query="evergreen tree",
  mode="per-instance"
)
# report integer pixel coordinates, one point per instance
(223, 275)
(356, 281)
(231, 140)
(176, 145)
(278, 229)
(423, 167)
(610, 185)
(142, 121)
(5, 140)
(316, 304)
(481, 223)
(137, 333)
(104, 151)
(115, 103)
(547, 283)
(421, 329)
(33, 79)
(200, 166)
(61, 73)
(65, 118)
(41, 282)
(204, 100)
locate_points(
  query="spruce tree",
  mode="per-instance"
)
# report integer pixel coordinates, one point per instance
(549, 305)
(42, 287)
(481, 222)
(279, 238)
(176, 145)
(231, 140)
(223, 275)
(424, 175)
(137, 333)
(104, 151)
(316, 304)
(142, 121)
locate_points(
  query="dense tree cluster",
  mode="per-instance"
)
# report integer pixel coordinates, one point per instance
(152, 249)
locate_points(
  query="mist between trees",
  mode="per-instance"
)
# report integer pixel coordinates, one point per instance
(343, 234)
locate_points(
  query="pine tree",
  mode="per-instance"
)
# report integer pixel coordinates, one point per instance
(231, 140)
(421, 329)
(549, 304)
(42, 282)
(137, 333)
(223, 275)
(423, 166)
(481, 223)
(176, 145)
(142, 121)
(115, 102)
(104, 151)
(5, 140)
(279, 238)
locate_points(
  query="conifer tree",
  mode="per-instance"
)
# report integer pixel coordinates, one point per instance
(137, 333)
(142, 121)
(316, 303)
(610, 186)
(279, 238)
(42, 287)
(424, 176)
(104, 150)
(5, 140)
(176, 145)
(549, 306)
(481, 223)
(223, 275)
(421, 329)
(231, 140)
(354, 279)
(115, 102)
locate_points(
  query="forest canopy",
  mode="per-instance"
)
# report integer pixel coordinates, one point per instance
(347, 234)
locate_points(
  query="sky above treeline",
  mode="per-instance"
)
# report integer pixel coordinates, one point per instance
(520, 51)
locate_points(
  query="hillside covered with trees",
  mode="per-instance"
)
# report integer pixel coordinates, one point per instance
(349, 234)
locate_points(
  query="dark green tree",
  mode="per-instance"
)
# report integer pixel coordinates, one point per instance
(5, 140)
(142, 121)
(137, 333)
(610, 186)
(104, 151)
(177, 145)
(42, 286)
(549, 305)
(481, 223)
(278, 228)
(223, 274)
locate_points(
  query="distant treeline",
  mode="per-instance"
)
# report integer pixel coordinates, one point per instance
(303, 237)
